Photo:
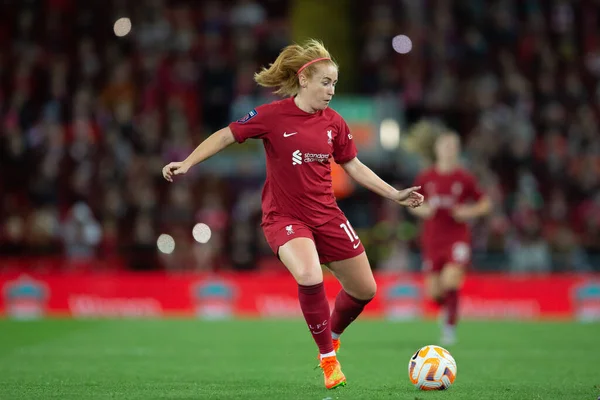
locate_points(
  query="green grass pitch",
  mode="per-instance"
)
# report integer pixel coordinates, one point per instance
(253, 359)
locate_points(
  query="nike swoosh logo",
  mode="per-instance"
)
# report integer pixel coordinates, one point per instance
(321, 331)
(356, 245)
(285, 134)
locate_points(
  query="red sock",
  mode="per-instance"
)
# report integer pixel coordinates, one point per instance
(315, 308)
(452, 307)
(346, 310)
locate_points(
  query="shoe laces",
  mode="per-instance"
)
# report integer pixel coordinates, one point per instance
(329, 364)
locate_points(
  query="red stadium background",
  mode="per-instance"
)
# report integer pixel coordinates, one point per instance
(27, 294)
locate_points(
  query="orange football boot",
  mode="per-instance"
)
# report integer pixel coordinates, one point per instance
(332, 371)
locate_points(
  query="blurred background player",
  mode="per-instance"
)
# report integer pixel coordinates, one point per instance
(301, 220)
(453, 199)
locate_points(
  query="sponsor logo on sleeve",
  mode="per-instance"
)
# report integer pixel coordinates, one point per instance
(248, 117)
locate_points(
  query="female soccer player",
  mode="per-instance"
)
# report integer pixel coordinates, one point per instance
(301, 220)
(453, 199)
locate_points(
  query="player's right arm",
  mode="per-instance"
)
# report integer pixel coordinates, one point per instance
(208, 148)
(254, 125)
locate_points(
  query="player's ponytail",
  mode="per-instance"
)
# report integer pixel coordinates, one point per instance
(295, 58)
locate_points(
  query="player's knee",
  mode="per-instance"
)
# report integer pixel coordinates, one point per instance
(308, 276)
(369, 292)
(362, 293)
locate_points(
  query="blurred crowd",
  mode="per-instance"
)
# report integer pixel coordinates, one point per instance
(519, 81)
(88, 119)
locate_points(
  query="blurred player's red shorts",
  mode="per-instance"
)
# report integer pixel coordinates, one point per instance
(458, 253)
(335, 240)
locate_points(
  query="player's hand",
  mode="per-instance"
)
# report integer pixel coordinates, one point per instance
(174, 168)
(409, 197)
(461, 213)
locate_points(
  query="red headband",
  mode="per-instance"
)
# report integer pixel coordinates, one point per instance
(312, 62)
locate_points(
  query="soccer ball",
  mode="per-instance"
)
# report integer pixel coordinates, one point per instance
(432, 368)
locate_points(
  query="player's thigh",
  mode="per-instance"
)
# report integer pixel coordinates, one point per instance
(355, 276)
(337, 240)
(300, 257)
(292, 241)
(452, 276)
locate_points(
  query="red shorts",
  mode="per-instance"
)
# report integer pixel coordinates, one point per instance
(335, 240)
(458, 253)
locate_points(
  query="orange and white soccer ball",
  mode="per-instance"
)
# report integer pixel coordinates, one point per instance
(432, 368)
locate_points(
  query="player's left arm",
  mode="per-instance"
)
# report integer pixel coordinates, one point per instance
(481, 207)
(466, 212)
(345, 154)
(370, 180)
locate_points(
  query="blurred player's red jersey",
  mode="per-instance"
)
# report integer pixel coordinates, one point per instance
(299, 147)
(444, 191)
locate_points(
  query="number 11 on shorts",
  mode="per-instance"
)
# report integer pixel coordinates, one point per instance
(351, 234)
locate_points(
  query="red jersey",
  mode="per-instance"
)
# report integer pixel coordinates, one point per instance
(445, 191)
(299, 147)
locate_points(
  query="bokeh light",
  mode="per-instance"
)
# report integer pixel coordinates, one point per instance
(201, 233)
(165, 243)
(122, 26)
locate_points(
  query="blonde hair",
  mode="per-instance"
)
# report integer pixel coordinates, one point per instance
(283, 73)
(421, 139)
